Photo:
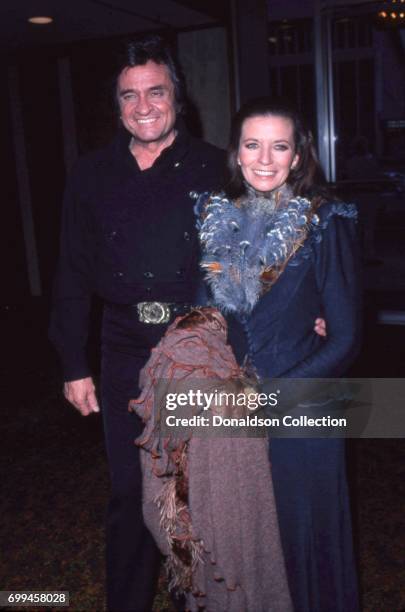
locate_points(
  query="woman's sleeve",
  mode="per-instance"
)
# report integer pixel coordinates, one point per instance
(337, 266)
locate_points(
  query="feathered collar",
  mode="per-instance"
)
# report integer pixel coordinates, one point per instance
(247, 243)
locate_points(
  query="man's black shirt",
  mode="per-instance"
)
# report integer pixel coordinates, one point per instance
(128, 235)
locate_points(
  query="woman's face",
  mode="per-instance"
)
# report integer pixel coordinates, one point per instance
(266, 151)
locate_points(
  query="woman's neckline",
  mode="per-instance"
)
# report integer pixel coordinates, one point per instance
(284, 191)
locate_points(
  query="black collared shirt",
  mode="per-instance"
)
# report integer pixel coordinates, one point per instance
(128, 235)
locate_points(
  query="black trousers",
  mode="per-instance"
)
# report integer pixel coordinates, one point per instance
(132, 557)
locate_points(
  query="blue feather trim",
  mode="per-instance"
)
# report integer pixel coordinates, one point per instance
(242, 240)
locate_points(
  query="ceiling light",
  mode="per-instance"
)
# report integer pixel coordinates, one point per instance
(40, 20)
(392, 13)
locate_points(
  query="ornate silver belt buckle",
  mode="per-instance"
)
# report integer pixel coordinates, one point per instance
(153, 312)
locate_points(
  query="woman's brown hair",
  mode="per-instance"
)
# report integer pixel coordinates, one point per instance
(306, 179)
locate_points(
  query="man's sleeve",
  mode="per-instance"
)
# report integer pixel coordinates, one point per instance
(73, 285)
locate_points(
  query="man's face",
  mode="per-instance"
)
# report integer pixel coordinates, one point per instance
(147, 103)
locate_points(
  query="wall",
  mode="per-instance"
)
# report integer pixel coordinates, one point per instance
(204, 57)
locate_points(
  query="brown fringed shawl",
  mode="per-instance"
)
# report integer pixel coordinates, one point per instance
(208, 501)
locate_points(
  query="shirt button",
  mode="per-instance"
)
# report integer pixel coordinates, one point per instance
(203, 165)
(112, 235)
(180, 272)
(186, 236)
(118, 274)
(193, 195)
(177, 164)
(148, 274)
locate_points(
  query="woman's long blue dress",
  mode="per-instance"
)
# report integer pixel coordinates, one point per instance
(309, 474)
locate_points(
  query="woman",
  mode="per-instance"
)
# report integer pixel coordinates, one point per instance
(277, 251)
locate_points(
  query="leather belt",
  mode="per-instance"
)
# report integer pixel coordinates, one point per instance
(156, 313)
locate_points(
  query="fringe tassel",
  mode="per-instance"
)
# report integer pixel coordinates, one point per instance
(185, 552)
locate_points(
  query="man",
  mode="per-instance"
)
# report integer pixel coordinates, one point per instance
(128, 235)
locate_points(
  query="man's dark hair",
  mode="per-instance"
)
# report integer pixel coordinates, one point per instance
(307, 178)
(153, 48)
